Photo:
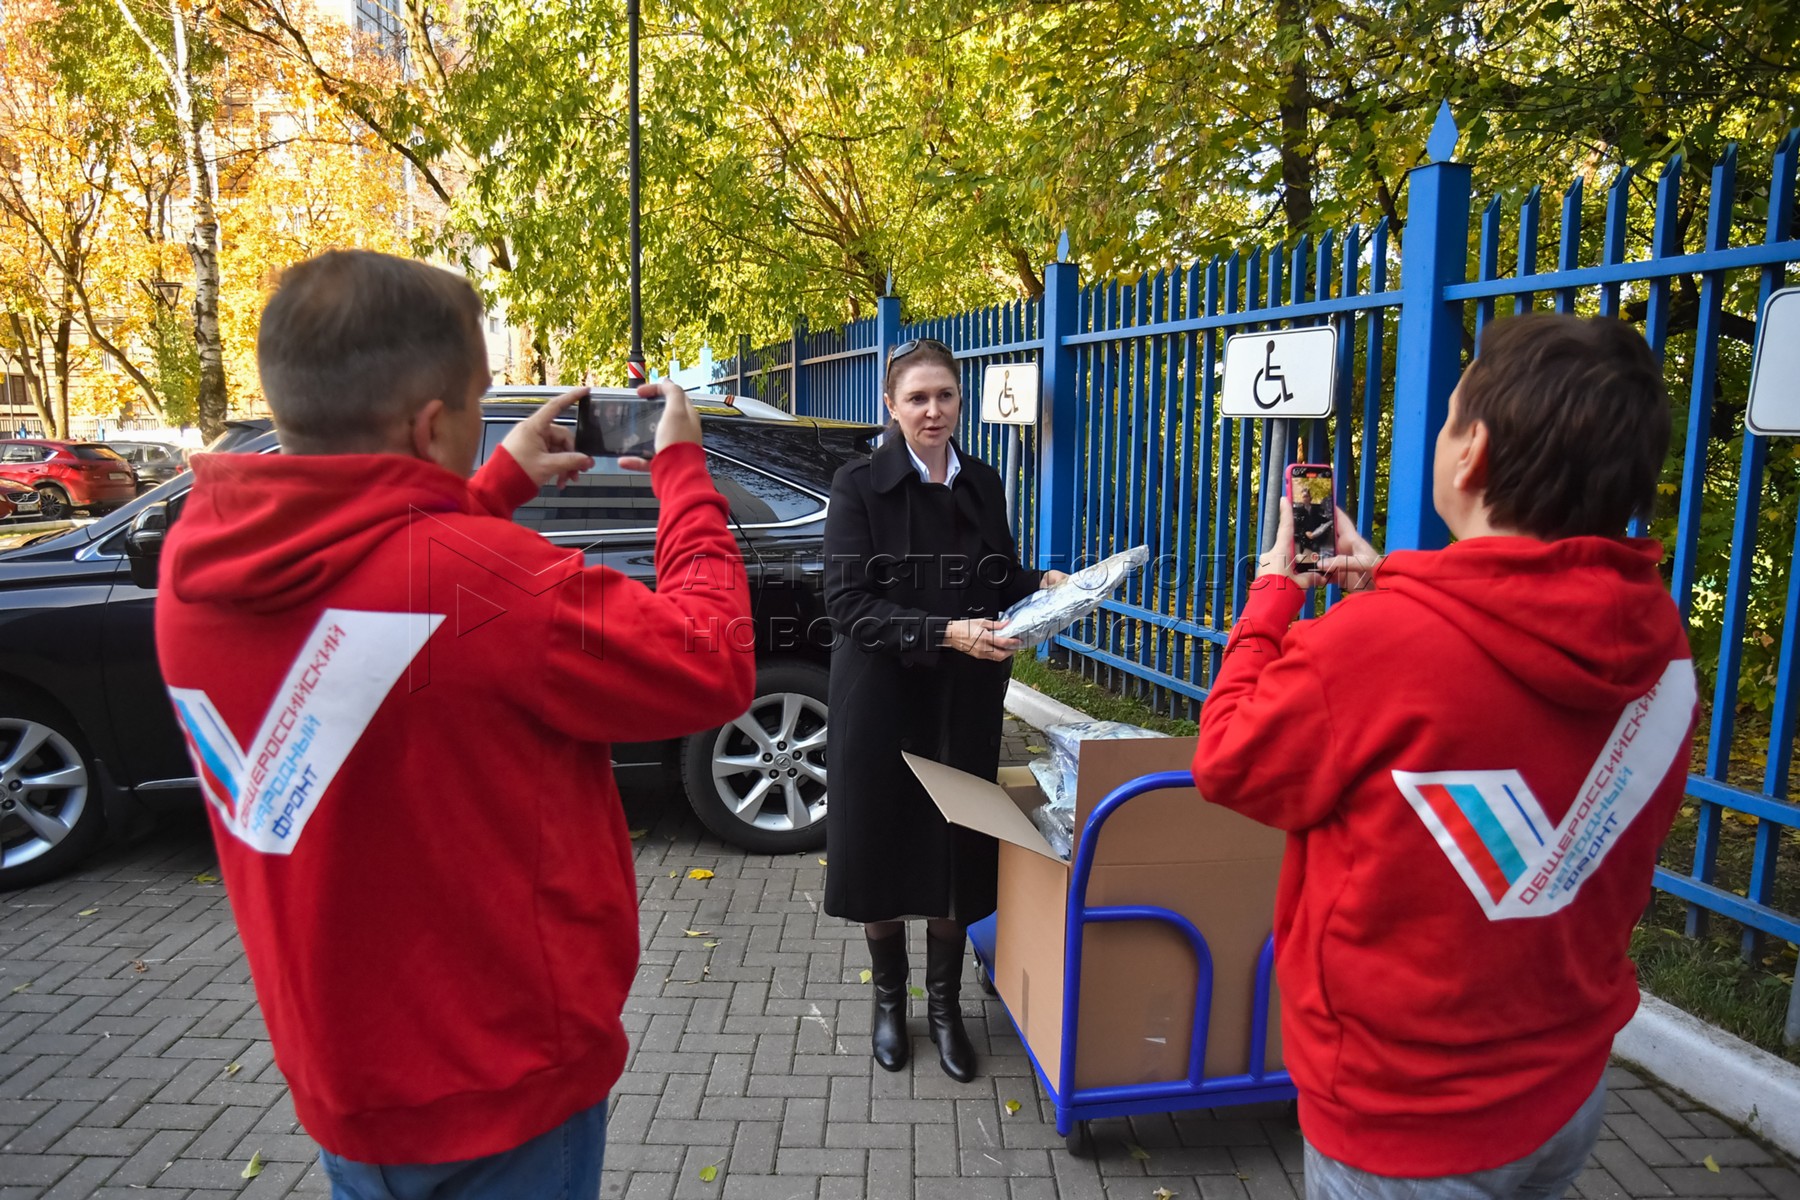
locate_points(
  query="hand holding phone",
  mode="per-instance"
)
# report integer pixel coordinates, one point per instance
(1309, 488)
(618, 423)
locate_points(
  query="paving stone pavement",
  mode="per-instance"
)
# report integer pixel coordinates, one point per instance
(133, 1064)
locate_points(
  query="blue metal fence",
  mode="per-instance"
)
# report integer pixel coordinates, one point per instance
(1130, 448)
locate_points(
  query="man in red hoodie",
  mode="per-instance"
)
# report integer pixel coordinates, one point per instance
(1498, 739)
(399, 704)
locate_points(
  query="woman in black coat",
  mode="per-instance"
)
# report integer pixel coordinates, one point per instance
(920, 561)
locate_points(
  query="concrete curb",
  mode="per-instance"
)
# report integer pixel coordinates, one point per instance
(1733, 1078)
(1038, 710)
(1730, 1076)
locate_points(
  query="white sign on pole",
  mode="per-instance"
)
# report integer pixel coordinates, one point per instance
(1009, 394)
(1775, 377)
(1280, 373)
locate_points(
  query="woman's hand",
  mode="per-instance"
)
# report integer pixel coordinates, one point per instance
(1051, 579)
(976, 638)
(1353, 567)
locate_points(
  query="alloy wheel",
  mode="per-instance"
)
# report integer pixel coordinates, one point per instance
(43, 790)
(768, 766)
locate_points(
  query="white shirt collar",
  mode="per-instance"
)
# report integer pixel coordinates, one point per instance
(925, 471)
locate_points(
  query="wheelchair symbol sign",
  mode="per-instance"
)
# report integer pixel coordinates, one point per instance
(1009, 394)
(1280, 373)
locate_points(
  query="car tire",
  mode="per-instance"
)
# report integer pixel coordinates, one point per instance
(56, 506)
(726, 771)
(45, 829)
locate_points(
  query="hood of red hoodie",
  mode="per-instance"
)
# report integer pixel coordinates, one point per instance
(1583, 622)
(269, 532)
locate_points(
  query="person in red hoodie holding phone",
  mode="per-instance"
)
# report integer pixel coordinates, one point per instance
(399, 704)
(1503, 731)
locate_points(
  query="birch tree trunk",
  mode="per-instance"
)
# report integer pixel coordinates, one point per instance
(203, 191)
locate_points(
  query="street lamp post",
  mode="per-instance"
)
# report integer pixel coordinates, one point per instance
(168, 291)
(634, 362)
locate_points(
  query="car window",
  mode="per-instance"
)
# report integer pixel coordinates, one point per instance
(759, 499)
(96, 453)
(605, 498)
(23, 454)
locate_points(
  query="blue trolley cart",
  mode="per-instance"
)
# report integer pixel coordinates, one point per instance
(1076, 1107)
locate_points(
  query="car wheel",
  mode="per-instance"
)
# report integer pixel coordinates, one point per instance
(56, 506)
(759, 781)
(50, 810)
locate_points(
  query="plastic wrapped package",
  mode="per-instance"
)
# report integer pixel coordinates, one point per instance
(1049, 611)
(1055, 781)
(1058, 827)
(1065, 742)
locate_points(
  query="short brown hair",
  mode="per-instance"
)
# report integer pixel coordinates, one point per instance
(353, 343)
(1577, 420)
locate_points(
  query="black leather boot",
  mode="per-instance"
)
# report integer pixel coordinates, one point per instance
(943, 989)
(887, 971)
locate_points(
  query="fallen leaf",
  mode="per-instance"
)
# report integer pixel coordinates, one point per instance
(700, 873)
(916, 992)
(698, 932)
(708, 1174)
(639, 833)
(710, 945)
(234, 1068)
(1162, 1194)
(21, 987)
(1012, 1106)
(1030, 749)
(1138, 1152)
(1710, 1164)
(253, 1168)
(138, 965)
(866, 976)
(822, 862)
(674, 874)
(206, 877)
(87, 912)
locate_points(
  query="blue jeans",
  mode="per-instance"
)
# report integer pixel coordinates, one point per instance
(563, 1164)
(1544, 1174)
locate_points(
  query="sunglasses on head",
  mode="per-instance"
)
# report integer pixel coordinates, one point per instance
(905, 348)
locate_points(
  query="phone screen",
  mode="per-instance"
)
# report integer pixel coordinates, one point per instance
(1315, 513)
(621, 425)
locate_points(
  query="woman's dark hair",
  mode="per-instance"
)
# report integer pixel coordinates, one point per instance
(1577, 420)
(920, 351)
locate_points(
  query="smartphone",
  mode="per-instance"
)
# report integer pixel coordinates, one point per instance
(617, 423)
(1315, 514)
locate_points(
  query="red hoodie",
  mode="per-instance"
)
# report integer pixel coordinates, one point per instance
(399, 704)
(1476, 763)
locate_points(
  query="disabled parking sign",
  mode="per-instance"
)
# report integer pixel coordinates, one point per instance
(1774, 408)
(1280, 373)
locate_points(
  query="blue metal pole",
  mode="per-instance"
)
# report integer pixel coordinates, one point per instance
(887, 336)
(1435, 248)
(1059, 426)
(799, 394)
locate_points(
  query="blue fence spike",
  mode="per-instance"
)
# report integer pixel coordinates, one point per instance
(1062, 247)
(1444, 135)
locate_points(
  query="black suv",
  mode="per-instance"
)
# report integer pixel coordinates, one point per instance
(86, 728)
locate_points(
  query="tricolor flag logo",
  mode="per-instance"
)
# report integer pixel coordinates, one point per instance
(1494, 832)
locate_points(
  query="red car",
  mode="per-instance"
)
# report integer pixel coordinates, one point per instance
(69, 475)
(19, 500)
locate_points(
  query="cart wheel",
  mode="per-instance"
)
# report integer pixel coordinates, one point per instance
(1081, 1140)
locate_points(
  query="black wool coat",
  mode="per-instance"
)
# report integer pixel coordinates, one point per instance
(903, 559)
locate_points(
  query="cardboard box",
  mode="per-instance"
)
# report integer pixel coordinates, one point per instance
(1167, 848)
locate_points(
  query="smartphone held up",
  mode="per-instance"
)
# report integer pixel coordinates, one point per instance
(617, 423)
(1315, 514)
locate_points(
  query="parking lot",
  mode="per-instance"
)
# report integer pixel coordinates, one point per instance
(133, 1063)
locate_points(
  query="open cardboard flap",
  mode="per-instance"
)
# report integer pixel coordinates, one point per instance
(979, 805)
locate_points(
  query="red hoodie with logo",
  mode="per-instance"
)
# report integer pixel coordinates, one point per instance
(399, 704)
(1476, 764)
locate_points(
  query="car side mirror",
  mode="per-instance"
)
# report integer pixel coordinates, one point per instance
(143, 544)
